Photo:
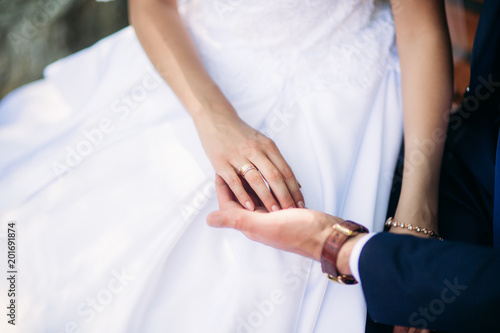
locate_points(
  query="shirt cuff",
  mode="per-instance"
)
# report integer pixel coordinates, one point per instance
(356, 253)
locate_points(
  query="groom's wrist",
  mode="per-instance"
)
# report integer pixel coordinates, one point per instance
(344, 256)
(334, 265)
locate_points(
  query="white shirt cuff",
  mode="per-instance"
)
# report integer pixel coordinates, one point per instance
(356, 253)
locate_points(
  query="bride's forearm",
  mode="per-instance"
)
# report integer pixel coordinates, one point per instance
(230, 143)
(427, 86)
(165, 39)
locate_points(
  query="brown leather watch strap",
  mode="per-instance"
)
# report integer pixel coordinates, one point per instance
(341, 232)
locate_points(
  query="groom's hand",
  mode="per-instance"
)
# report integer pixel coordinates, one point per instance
(301, 231)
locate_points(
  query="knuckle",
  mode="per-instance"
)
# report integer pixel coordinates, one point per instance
(296, 194)
(252, 177)
(238, 221)
(220, 161)
(267, 198)
(287, 173)
(268, 143)
(241, 195)
(268, 202)
(288, 202)
(232, 181)
(249, 147)
(219, 181)
(274, 175)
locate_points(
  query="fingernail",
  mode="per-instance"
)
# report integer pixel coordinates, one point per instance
(249, 205)
(274, 208)
(300, 186)
(291, 207)
(301, 204)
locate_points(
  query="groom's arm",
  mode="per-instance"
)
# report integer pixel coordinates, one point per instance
(423, 283)
(407, 281)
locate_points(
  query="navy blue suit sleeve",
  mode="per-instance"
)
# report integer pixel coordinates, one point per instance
(425, 283)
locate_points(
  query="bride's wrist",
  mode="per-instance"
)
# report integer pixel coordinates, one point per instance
(418, 210)
(418, 205)
(212, 103)
(423, 215)
(215, 113)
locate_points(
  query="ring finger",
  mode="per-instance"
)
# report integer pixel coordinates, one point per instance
(255, 180)
(276, 181)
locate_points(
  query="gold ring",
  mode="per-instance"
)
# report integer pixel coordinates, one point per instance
(247, 167)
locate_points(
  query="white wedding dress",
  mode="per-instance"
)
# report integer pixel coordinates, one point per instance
(102, 170)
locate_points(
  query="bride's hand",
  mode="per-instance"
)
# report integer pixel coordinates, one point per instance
(230, 144)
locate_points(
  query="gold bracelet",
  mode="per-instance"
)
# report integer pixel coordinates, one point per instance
(393, 223)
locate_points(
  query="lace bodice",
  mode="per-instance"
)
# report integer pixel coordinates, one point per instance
(313, 39)
(284, 24)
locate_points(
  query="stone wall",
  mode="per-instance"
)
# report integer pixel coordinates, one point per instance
(34, 33)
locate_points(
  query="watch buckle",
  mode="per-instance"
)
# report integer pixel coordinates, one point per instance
(344, 230)
(342, 279)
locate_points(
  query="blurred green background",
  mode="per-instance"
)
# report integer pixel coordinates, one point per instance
(34, 33)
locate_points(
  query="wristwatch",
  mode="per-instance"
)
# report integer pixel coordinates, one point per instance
(341, 232)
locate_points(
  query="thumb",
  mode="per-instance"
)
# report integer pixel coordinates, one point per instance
(216, 219)
(239, 219)
(232, 218)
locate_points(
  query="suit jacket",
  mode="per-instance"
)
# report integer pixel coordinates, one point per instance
(426, 283)
(467, 188)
